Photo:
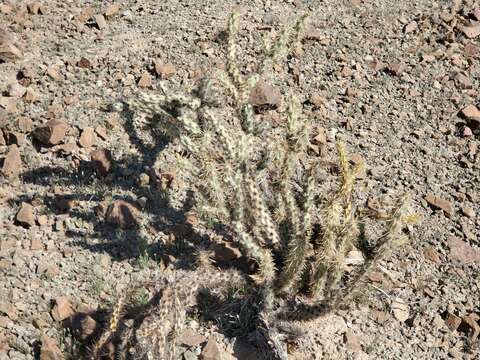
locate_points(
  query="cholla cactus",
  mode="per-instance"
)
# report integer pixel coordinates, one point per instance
(251, 179)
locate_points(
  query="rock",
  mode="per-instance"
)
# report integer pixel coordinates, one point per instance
(54, 74)
(84, 63)
(317, 100)
(9, 310)
(164, 71)
(145, 81)
(16, 90)
(62, 308)
(49, 349)
(52, 133)
(400, 310)
(9, 104)
(26, 215)
(467, 211)
(102, 132)
(9, 52)
(452, 321)
(35, 8)
(42, 220)
(2, 138)
(123, 214)
(313, 34)
(470, 326)
(396, 68)
(25, 124)
(12, 164)
(265, 95)
(83, 326)
(471, 31)
(88, 138)
(100, 20)
(462, 81)
(411, 27)
(471, 113)
(111, 10)
(211, 351)
(14, 137)
(102, 161)
(471, 50)
(352, 342)
(64, 203)
(463, 253)
(225, 252)
(467, 132)
(36, 244)
(191, 338)
(31, 95)
(431, 254)
(439, 203)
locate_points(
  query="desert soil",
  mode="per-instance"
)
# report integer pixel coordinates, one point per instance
(397, 81)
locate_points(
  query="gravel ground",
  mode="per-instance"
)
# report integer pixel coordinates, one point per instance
(397, 81)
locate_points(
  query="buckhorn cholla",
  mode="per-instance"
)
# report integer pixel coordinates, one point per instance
(254, 179)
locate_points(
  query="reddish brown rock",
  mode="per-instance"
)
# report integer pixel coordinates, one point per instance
(12, 164)
(470, 326)
(164, 71)
(122, 214)
(26, 215)
(452, 321)
(54, 74)
(36, 244)
(62, 308)
(472, 113)
(211, 351)
(463, 82)
(52, 133)
(102, 161)
(9, 52)
(88, 138)
(431, 254)
(9, 104)
(102, 132)
(145, 81)
(191, 338)
(463, 253)
(35, 8)
(352, 342)
(31, 95)
(471, 50)
(112, 10)
(265, 95)
(9, 310)
(25, 124)
(411, 27)
(49, 349)
(84, 63)
(317, 100)
(83, 325)
(16, 90)
(225, 252)
(471, 31)
(396, 68)
(439, 203)
(100, 20)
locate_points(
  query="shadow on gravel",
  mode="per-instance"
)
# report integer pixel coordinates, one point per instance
(127, 243)
(235, 316)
